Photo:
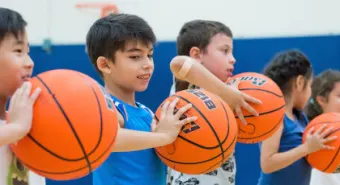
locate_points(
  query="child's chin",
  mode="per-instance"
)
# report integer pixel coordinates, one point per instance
(141, 89)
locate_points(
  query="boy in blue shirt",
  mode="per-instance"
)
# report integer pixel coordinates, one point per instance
(121, 48)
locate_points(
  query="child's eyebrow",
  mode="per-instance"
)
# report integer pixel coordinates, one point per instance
(137, 50)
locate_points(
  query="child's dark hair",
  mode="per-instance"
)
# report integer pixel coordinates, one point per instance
(322, 85)
(286, 66)
(197, 33)
(11, 22)
(110, 34)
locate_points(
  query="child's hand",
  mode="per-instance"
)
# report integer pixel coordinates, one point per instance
(239, 100)
(170, 123)
(317, 140)
(21, 107)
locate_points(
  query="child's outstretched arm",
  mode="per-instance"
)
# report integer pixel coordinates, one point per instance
(164, 132)
(19, 115)
(272, 160)
(187, 69)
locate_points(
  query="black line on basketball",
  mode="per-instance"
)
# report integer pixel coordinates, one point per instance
(69, 123)
(77, 159)
(229, 155)
(47, 172)
(196, 144)
(263, 90)
(336, 154)
(277, 124)
(207, 121)
(100, 115)
(191, 163)
(264, 113)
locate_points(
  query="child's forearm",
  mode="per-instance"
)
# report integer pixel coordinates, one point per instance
(131, 140)
(281, 160)
(197, 74)
(11, 133)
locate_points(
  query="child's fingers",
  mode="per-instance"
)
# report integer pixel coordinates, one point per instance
(164, 109)
(319, 131)
(251, 99)
(35, 95)
(250, 109)
(187, 120)
(326, 132)
(239, 113)
(172, 105)
(310, 131)
(326, 147)
(329, 139)
(182, 110)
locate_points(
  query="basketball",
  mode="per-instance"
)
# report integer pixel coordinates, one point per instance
(327, 161)
(271, 111)
(203, 145)
(74, 126)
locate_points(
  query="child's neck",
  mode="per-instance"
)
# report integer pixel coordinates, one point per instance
(289, 109)
(3, 102)
(125, 95)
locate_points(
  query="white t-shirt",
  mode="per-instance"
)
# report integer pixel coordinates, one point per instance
(9, 170)
(320, 178)
(224, 175)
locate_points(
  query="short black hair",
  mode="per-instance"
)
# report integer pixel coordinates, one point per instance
(11, 22)
(198, 33)
(286, 66)
(110, 34)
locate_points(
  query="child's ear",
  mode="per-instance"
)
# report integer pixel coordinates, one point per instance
(300, 83)
(322, 101)
(103, 65)
(195, 53)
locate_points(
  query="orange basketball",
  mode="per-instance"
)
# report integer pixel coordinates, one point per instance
(271, 111)
(205, 144)
(74, 126)
(327, 161)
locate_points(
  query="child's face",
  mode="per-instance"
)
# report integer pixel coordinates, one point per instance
(16, 65)
(133, 67)
(218, 57)
(333, 101)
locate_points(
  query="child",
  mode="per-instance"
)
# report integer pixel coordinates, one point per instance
(210, 43)
(325, 98)
(282, 155)
(15, 72)
(121, 47)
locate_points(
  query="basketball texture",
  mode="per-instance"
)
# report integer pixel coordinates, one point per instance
(327, 161)
(271, 111)
(74, 126)
(205, 144)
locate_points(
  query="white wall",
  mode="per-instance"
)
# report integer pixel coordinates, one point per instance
(65, 24)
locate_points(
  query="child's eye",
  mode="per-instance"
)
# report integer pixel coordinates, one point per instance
(150, 56)
(134, 57)
(18, 50)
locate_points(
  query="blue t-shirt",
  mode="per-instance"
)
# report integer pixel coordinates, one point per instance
(141, 167)
(299, 172)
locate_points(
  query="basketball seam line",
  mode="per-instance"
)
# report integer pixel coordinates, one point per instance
(90, 153)
(263, 113)
(38, 170)
(207, 121)
(270, 92)
(69, 123)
